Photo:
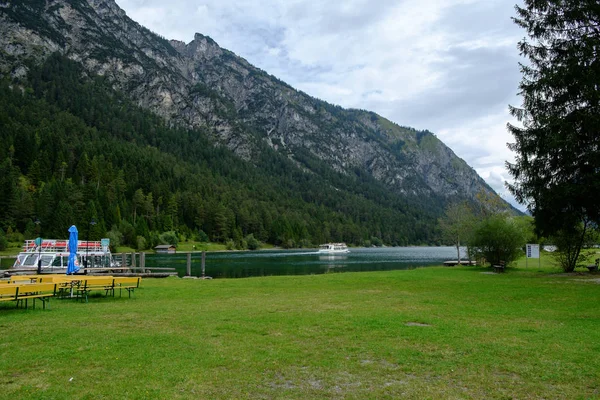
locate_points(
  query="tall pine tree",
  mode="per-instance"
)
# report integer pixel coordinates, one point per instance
(557, 167)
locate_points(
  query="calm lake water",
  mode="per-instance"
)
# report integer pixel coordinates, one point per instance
(303, 262)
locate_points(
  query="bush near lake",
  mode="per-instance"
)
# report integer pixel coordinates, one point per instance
(497, 239)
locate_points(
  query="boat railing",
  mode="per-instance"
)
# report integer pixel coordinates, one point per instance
(58, 246)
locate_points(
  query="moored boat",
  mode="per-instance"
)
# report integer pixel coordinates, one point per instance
(53, 255)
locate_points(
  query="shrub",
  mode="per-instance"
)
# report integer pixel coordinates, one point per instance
(201, 236)
(170, 237)
(498, 238)
(16, 236)
(252, 242)
(141, 243)
(3, 240)
(375, 241)
(116, 238)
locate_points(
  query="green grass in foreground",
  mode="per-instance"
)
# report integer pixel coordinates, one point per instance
(425, 333)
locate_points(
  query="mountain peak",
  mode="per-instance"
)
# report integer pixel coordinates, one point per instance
(202, 48)
(107, 7)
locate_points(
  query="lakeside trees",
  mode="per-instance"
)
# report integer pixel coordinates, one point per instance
(557, 167)
(457, 225)
(490, 232)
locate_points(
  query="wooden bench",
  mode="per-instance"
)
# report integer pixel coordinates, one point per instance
(499, 267)
(127, 283)
(594, 267)
(24, 292)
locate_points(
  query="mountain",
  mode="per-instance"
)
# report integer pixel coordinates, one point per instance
(201, 90)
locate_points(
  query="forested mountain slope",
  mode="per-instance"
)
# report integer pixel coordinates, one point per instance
(103, 118)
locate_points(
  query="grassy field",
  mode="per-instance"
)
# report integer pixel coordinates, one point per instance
(426, 333)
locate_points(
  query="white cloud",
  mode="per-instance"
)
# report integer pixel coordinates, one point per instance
(449, 66)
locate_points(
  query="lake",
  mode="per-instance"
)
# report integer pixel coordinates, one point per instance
(244, 264)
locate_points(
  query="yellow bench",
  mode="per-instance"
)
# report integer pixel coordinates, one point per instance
(68, 285)
(24, 292)
(8, 292)
(44, 278)
(64, 282)
(95, 283)
(127, 283)
(17, 279)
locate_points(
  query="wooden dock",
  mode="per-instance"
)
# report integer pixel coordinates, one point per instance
(155, 272)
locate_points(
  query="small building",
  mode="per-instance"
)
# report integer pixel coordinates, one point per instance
(165, 249)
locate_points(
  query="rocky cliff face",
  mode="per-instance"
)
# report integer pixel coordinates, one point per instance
(199, 84)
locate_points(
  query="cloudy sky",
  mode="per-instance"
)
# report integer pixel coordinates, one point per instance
(449, 66)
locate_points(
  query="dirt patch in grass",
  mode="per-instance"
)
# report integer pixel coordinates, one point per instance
(575, 273)
(595, 280)
(416, 324)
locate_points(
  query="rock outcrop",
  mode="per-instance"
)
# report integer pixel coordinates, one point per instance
(200, 84)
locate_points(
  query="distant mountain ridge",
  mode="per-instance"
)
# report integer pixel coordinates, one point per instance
(199, 85)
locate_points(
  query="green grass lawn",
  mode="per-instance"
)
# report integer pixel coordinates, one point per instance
(12, 249)
(426, 333)
(200, 246)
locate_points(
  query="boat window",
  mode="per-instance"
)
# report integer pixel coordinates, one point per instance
(46, 260)
(57, 262)
(20, 260)
(30, 260)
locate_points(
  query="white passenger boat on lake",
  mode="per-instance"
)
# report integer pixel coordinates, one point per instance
(53, 255)
(333, 248)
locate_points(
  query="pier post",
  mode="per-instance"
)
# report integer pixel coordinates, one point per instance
(143, 261)
(189, 265)
(123, 260)
(203, 263)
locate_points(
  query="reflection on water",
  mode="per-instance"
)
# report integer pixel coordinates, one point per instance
(333, 260)
(303, 262)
